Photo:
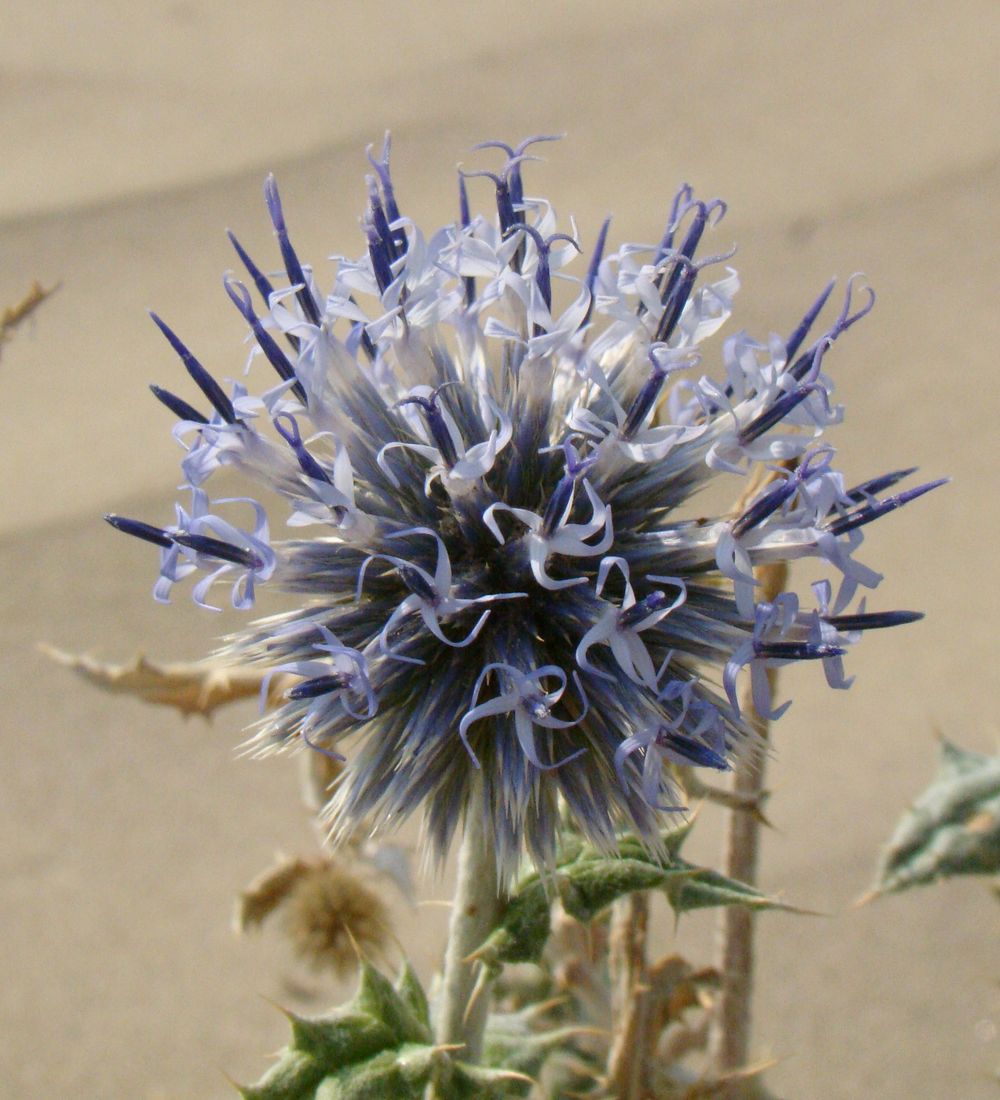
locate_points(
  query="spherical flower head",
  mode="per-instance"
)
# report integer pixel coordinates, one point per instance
(502, 605)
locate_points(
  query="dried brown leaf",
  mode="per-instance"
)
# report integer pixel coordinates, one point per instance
(267, 892)
(195, 687)
(13, 315)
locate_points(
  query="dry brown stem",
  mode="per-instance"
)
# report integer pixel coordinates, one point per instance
(13, 315)
(730, 1032)
(634, 1037)
(195, 687)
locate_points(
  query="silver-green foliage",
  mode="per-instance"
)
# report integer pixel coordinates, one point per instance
(587, 881)
(953, 828)
(378, 1046)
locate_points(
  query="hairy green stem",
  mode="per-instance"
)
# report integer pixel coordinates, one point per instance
(475, 911)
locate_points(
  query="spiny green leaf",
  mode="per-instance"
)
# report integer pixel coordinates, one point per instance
(400, 1074)
(953, 828)
(411, 992)
(523, 1041)
(588, 881)
(294, 1077)
(341, 1038)
(377, 997)
(524, 928)
(700, 888)
(485, 1083)
(590, 886)
(377, 1047)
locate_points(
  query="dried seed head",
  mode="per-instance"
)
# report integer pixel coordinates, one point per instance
(333, 918)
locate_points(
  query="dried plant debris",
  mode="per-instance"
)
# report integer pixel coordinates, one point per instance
(193, 687)
(558, 1022)
(330, 915)
(268, 892)
(953, 828)
(13, 315)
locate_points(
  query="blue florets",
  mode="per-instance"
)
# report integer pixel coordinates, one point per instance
(500, 578)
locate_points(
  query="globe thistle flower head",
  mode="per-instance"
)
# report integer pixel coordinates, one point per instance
(502, 605)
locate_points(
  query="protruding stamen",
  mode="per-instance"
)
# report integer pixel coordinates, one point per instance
(178, 406)
(385, 178)
(505, 204)
(468, 281)
(683, 273)
(794, 342)
(216, 548)
(681, 203)
(319, 685)
(264, 286)
(807, 361)
(868, 489)
(562, 495)
(416, 582)
(872, 620)
(145, 531)
(436, 424)
(288, 256)
(764, 506)
(796, 651)
(649, 605)
(646, 398)
(595, 263)
(240, 297)
(515, 156)
(694, 235)
(310, 467)
(380, 222)
(776, 413)
(202, 379)
(696, 752)
(868, 512)
(379, 252)
(675, 296)
(543, 275)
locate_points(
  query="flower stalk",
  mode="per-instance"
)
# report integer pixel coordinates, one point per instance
(629, 1061)
(464, 1004)
(729, 1038)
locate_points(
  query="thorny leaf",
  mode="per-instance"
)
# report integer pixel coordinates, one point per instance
(744, 1083)
(376, 1047)
(588, 881)
(524, 1041)
(194, 687)
(953, 828)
